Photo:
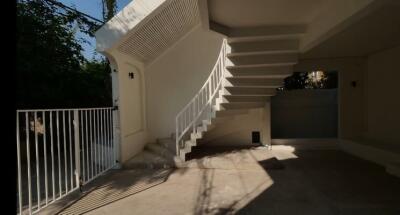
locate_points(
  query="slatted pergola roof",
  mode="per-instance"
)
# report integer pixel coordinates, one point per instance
(146, 28)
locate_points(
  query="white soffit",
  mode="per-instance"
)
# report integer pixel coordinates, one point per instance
(170, 22)
(124, 21)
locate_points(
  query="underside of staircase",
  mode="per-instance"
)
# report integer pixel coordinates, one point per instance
(256, 64)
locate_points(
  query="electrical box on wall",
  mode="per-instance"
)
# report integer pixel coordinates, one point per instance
(255, 137)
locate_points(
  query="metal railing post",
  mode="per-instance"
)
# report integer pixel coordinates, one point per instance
(177, 136)
(77, 149)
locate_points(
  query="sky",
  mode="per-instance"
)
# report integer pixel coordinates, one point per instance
(94, 9)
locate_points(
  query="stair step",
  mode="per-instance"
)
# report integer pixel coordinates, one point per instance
(168, 143)
(260, 71)
(265, 33)
(267, 82)
(278, 70)
(189, 144)
(257, 53)
(264, 45)
(160, 150)
(262, 58)
(221, 119)
(196, 135)
(249, 91)
(230, 113)
(242, 105)
(239, 98)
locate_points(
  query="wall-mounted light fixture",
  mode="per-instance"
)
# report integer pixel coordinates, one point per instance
(131, 75)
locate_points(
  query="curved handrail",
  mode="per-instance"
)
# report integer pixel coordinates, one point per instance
(193, 111)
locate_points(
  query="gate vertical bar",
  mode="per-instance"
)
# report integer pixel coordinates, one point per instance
(70, 150)
(37, 159)
(52, 156)
(65, 155)
(28, 155)
(45, 156)
(59, 153)
(83, 145)
(77, 148)
(87, 146)
(19, 167)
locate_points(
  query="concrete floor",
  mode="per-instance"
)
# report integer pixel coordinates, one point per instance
(255, 181)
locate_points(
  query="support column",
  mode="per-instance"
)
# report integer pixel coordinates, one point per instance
(116, 117)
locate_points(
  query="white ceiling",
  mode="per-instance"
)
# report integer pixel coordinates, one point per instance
(377, 31)
(249, 13)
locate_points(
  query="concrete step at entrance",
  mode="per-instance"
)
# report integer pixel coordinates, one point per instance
(243, 81)
(160, 150)
(168, 143)
(147, 160)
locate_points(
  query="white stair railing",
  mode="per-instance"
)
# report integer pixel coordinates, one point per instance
(195, 110)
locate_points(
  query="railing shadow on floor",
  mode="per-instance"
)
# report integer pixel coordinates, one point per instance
(111, 187)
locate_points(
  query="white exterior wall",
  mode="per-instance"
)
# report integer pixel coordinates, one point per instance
(383, 99)
(129, 95)
(304, 114)
(176, 76)
(237, 131)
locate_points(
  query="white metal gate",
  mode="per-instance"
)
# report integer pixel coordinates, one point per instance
(59, 150)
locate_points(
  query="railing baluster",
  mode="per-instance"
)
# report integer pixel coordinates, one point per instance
(19, 168)
(45, 156)
(37, 159)
(52, 156)
(96, 142)
(65, 155)
(77, 147)
(91, 142)
(108, 137)
(87, 146)
(59, 153)
(70, 150)
(101, 141)
(82, 141)
(28, 158)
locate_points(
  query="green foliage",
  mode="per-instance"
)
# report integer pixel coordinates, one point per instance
(51, 70)
(109, 9)
(311, 80)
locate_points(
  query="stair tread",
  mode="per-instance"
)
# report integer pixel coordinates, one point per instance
(270, 52)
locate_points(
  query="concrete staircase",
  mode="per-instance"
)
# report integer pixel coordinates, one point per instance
(162, 153)
(256, 62)
(158, 155)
